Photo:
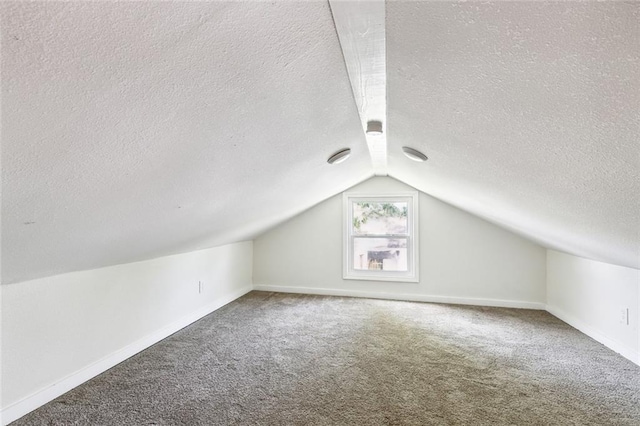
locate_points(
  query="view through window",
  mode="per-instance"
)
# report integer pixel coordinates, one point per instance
(381, 231)
(379, 240)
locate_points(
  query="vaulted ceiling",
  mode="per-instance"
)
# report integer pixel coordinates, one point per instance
(132, 130)
(529, 112)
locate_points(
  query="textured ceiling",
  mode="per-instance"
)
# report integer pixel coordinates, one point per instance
(132, 130)
(529, 113)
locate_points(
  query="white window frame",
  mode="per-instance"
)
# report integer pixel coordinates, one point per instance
(349, 272)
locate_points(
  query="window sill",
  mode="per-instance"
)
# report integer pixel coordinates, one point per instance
(387, 278)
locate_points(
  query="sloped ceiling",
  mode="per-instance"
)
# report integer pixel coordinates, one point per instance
(132, 130)
(529, 113)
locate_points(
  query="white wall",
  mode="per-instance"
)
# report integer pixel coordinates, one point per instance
(463, 259)
(60, 331)
(590, 295)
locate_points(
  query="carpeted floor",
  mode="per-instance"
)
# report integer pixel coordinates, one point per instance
(283, 359)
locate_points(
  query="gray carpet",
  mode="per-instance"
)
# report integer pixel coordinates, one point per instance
(283, 359)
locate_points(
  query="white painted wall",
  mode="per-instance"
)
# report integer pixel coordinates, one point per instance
(463, 259)
(590, 295)
(58, 332)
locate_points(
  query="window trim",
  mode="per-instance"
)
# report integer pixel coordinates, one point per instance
(413, 257)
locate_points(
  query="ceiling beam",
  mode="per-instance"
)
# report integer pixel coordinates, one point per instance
(361, 30)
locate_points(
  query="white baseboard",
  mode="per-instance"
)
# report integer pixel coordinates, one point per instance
(49, 393)
(404, 296)
(624, 350)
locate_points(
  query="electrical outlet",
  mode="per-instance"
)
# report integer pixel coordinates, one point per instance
(200, 285)
(624, 316)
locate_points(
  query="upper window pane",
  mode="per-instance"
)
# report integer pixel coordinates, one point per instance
(380, 218)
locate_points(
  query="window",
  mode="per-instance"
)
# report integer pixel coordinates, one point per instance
(380, 237)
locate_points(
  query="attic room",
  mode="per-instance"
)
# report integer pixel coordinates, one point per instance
(320, 212)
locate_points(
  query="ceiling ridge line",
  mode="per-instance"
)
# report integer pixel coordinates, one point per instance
(360, 27)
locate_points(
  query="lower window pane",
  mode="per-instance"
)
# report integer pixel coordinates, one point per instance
(382, 254)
